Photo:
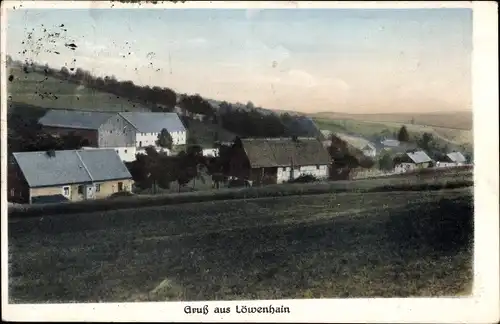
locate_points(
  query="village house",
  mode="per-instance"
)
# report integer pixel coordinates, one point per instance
(70, 175)
(412, 161)
(369, 150)
(452, 159)
(278, 160)
(129, 133)
(393, 146)
(100, 129)
(148, 126)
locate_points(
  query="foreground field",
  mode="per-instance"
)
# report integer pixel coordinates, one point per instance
(330, 245)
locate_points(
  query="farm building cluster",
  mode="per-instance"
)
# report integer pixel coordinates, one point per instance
(99, 170)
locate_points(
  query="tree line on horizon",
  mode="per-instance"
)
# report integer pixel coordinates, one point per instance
(248, 122)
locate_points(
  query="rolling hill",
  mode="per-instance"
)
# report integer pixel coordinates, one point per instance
(461, 120)
(31, 94)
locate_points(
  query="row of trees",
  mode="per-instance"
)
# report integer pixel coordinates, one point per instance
(248, 122)
(158, 170)
(251, 122)
(157, 98)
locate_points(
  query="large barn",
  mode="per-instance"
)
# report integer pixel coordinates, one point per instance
(278, 160)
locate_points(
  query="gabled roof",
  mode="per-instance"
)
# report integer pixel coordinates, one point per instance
(390, 142)
(276, 152)
(154, 122)
(75, 119)
(456, 157)
(419, 157)
(71, 166)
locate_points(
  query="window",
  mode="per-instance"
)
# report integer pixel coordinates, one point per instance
(111, 132)
(140, 144)
(125, 151)
(120, 186)
(80, 190)
(12, 192)
(98, 187)
(317, 167)
(66, 191)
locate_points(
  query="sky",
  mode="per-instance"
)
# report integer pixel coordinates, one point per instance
(308, 60)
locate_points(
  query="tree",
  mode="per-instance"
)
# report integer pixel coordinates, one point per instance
(403, 135)
(250, 105)
(164, 139)
(425, 141)
(386, 163)
(64, 72)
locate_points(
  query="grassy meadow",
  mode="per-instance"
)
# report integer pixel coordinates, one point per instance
(456, 137)
(455, 120)
(36, 89)
(326, 245)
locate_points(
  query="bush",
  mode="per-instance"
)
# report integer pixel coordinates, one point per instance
(276, 190)
(305, 178)
(443, 226)
(121, 194)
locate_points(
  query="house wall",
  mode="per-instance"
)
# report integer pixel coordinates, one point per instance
(18, 190)
(370, 152)
(446, 164)
(179, 138)
(158, 149)
(423, 165)
(210, 152)
(106, 189)
(110, 187)
(263, 176)
(90, 134)
(285, 173)
(148, 139)
(116, 132)
(404, 167)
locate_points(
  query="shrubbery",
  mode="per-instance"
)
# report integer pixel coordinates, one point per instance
(305, 178)
(236, 193)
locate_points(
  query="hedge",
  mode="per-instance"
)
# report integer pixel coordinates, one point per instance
(368, 185)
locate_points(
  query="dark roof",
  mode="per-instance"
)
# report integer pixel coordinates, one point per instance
(75, 119)
(154, 122)
(275, 152)
(71, 166)
(419, 157)
(456, 157)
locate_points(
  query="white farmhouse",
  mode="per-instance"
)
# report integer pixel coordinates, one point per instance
(411, 161)
(148, 126)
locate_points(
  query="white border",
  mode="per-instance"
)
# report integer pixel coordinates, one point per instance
(482, 307)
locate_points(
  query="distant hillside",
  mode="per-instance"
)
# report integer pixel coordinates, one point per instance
(38, 90)
(455, 120)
